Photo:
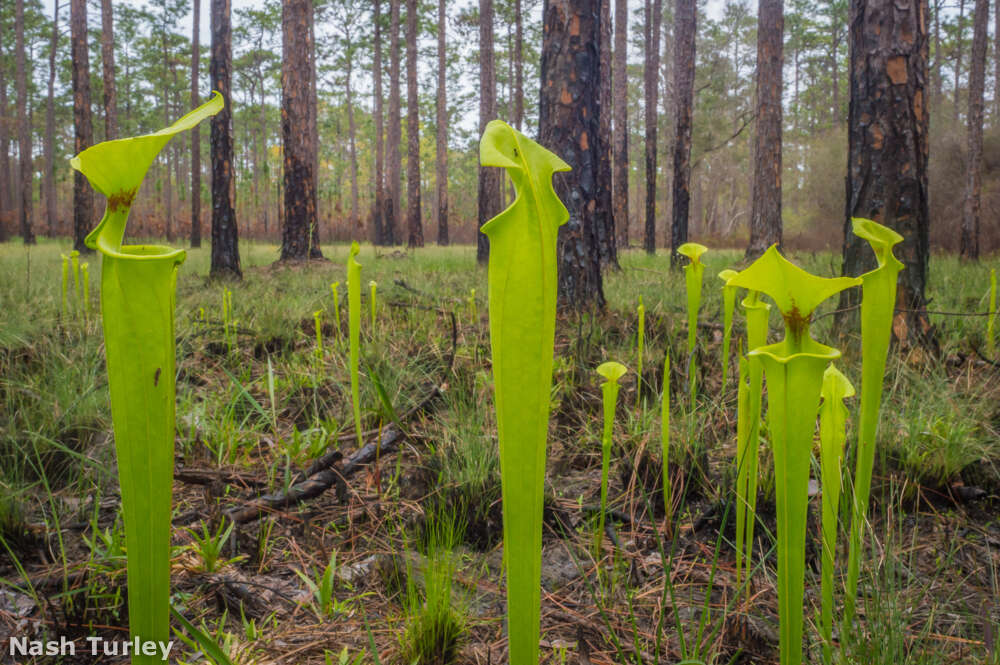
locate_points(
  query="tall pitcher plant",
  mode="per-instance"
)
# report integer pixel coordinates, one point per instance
(728, 307)
(137, 305)
(694, 272)
(522, 308)
(878, 299)
(794, 369)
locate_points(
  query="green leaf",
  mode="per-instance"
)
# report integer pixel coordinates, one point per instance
(728, 306)
(206, 643)
(137, 302)
(522, 308)
(354, 332)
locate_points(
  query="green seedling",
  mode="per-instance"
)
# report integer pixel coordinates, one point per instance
(832, 435)
(354, 332)
(318, 321)
(65, 281)
(137, 302)
(522, 310)
(693, 273)
(372, 285)
(335, 289)
(208, 546)
(990, 341)
(85, 276)
(728, 306)
(611, 372)
(878, 299)
(324, 602)
(794, 369)
(665, 436)
(639, 343)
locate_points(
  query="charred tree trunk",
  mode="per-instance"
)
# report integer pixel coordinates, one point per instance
(653, 17)
(765, 215)
(974, 178)
(414, 224)
(488, 194)
(315, 252)
(83, 195)
(685, 25)
(378, 232)
(606, 234)
(24, 206)
(393, 204)
(441, 156)
(569, 123)
(887, 149)
(352, 130)
(296, 131)
(620, 105)
(108, 65)
(225, 236)
(195, 134)
(959, 33)
(49, 183)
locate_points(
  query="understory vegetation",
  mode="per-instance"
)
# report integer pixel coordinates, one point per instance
(391, 552)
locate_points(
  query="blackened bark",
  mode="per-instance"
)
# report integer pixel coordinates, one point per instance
(49, 182)
(83, 195)
(108, 66)
(653, 17)
(315, 252)
(765, 215)
(569, 125)
(355, 222)
(393, 203)
(441, 156)
(685, 25)
(974, 177)
(195, 134)
(619, 94)
(488, 190)
(888, 147)
(24, 205)
(606, 234)
(378, 232)
(225, 236)
(296, 131)
(414, 224)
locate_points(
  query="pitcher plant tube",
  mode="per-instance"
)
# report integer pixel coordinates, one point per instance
(665, 436)
(832, 435)
(991, 320)
(354, 332)
(318, 320)
(639, 343)
(335, 289)
(878, 299)
(611, 371)
(137, 304)
(728, 306)
(794, 368)
(522, 311)
(372, 285)
(693, 274)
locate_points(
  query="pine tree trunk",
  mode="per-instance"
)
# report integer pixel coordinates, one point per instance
(378, 232)
(168, 201)
(488, 190)
(393, 204)
(974, 177)
(6, 197)
(765, 215)
(620, 110)
(296, 131)
(960, 30)
(685, 25)
(938, 79)
(518, 65)
(414, 224)
(996, 66)
(441, 156)
(24, 207)
(888, 147)
(108, 64)
(651, 88)
(355, 222)
(315, 251)
(195, 134)
(83, 195)
(569, 122)
(225, 235)
(50, 130)
(606, 234)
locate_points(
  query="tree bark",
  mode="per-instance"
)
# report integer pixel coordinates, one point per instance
(974, 177)
(49, 183)
(685, 25)
(296, 131)
(518, 65)
(393, 204)
(765, 215)
(315, 252)
(6, 196)
(225, 236)
(352, 130)
(108, 64)
(606, 234)
(24, 207)
(414, 224)
(888, 148)
(195, 134)
(83, 195)
(938, 55)
(651, 88)
(488, 189)
(620, 109)
(441, 156)
(168, 200)
(569, 124)
(378, 232)
(959, 31)
(996, 66)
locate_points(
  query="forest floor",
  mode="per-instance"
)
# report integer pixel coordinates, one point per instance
(423, 514)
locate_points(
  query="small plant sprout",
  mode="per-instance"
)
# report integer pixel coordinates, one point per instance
(728, 306)
(473, 308)
(611, 371)
(640, 341)
(794, 368)
(693, 273)
(318, 320)
(137, 302)
(335, 289)
(354, 332)
(323, 600)
(372, 285)
(832, 434)
(522, 310)
(878, 299)
(208, 546)
(990, 340)
(665, 436)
